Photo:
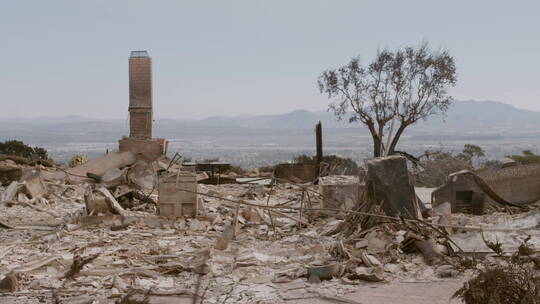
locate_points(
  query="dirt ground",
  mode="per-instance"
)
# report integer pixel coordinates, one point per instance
(367, 293)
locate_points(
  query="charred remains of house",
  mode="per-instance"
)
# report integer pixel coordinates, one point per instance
(140, 225)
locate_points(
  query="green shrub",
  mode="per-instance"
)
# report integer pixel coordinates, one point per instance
(18, 148)
(527, 157)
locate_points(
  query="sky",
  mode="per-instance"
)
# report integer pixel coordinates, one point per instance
(247, 57)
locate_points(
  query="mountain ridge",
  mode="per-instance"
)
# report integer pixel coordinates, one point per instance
(465, 117)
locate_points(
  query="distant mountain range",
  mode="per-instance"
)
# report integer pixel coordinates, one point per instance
(470, 117)
(478, 116)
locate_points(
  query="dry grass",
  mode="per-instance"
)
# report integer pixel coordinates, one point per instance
(502, 285)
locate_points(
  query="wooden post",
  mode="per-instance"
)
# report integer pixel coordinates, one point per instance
(318, 138)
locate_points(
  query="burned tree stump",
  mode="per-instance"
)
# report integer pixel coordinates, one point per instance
(389, 180)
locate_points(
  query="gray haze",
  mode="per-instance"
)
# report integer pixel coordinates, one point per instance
(69, 57)
(253, 141)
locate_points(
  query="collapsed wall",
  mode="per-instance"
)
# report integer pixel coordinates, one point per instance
(516, 185)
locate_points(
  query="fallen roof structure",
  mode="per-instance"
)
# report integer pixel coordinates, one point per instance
(511, 186)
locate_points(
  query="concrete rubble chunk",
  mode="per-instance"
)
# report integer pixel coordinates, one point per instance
(370, 274)
(113, 203)
(142, 175)
(10, 192)
(96, 203)
(114, 177)
(340, 192)
(99, 166)
(33, 183)
(145, 149)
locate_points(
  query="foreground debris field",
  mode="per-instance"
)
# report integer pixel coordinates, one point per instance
(248, 243)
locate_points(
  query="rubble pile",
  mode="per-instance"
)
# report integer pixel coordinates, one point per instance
(93, 234)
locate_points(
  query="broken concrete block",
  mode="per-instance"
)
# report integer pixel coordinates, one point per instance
(114, 177)
(389, 178)
(146, 149)
(33, 184)
(10, 192)
(340, 192)
(370, 274)
(99, 166)
(96, 203)
(113, 203)
(101, 201)
(142, 175)
(177, 195)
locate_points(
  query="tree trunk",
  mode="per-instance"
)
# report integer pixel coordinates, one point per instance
(377, 151)
(376, 141)
(380, 138)
(395, 140)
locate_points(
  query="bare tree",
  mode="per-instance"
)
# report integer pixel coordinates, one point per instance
(406, 85)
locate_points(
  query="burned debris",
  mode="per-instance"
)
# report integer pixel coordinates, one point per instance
(159, 234)
(135, 226)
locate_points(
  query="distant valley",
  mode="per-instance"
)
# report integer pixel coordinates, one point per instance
(258, 140)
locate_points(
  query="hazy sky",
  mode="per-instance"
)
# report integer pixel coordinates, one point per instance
(248, 57)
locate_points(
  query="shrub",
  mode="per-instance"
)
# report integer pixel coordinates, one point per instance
(527, 157)
(77, 160)
(338, 165)
(435, 168)
(18, 148)
(236, 169)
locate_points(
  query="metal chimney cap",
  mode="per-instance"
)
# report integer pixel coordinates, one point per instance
(139, 54)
